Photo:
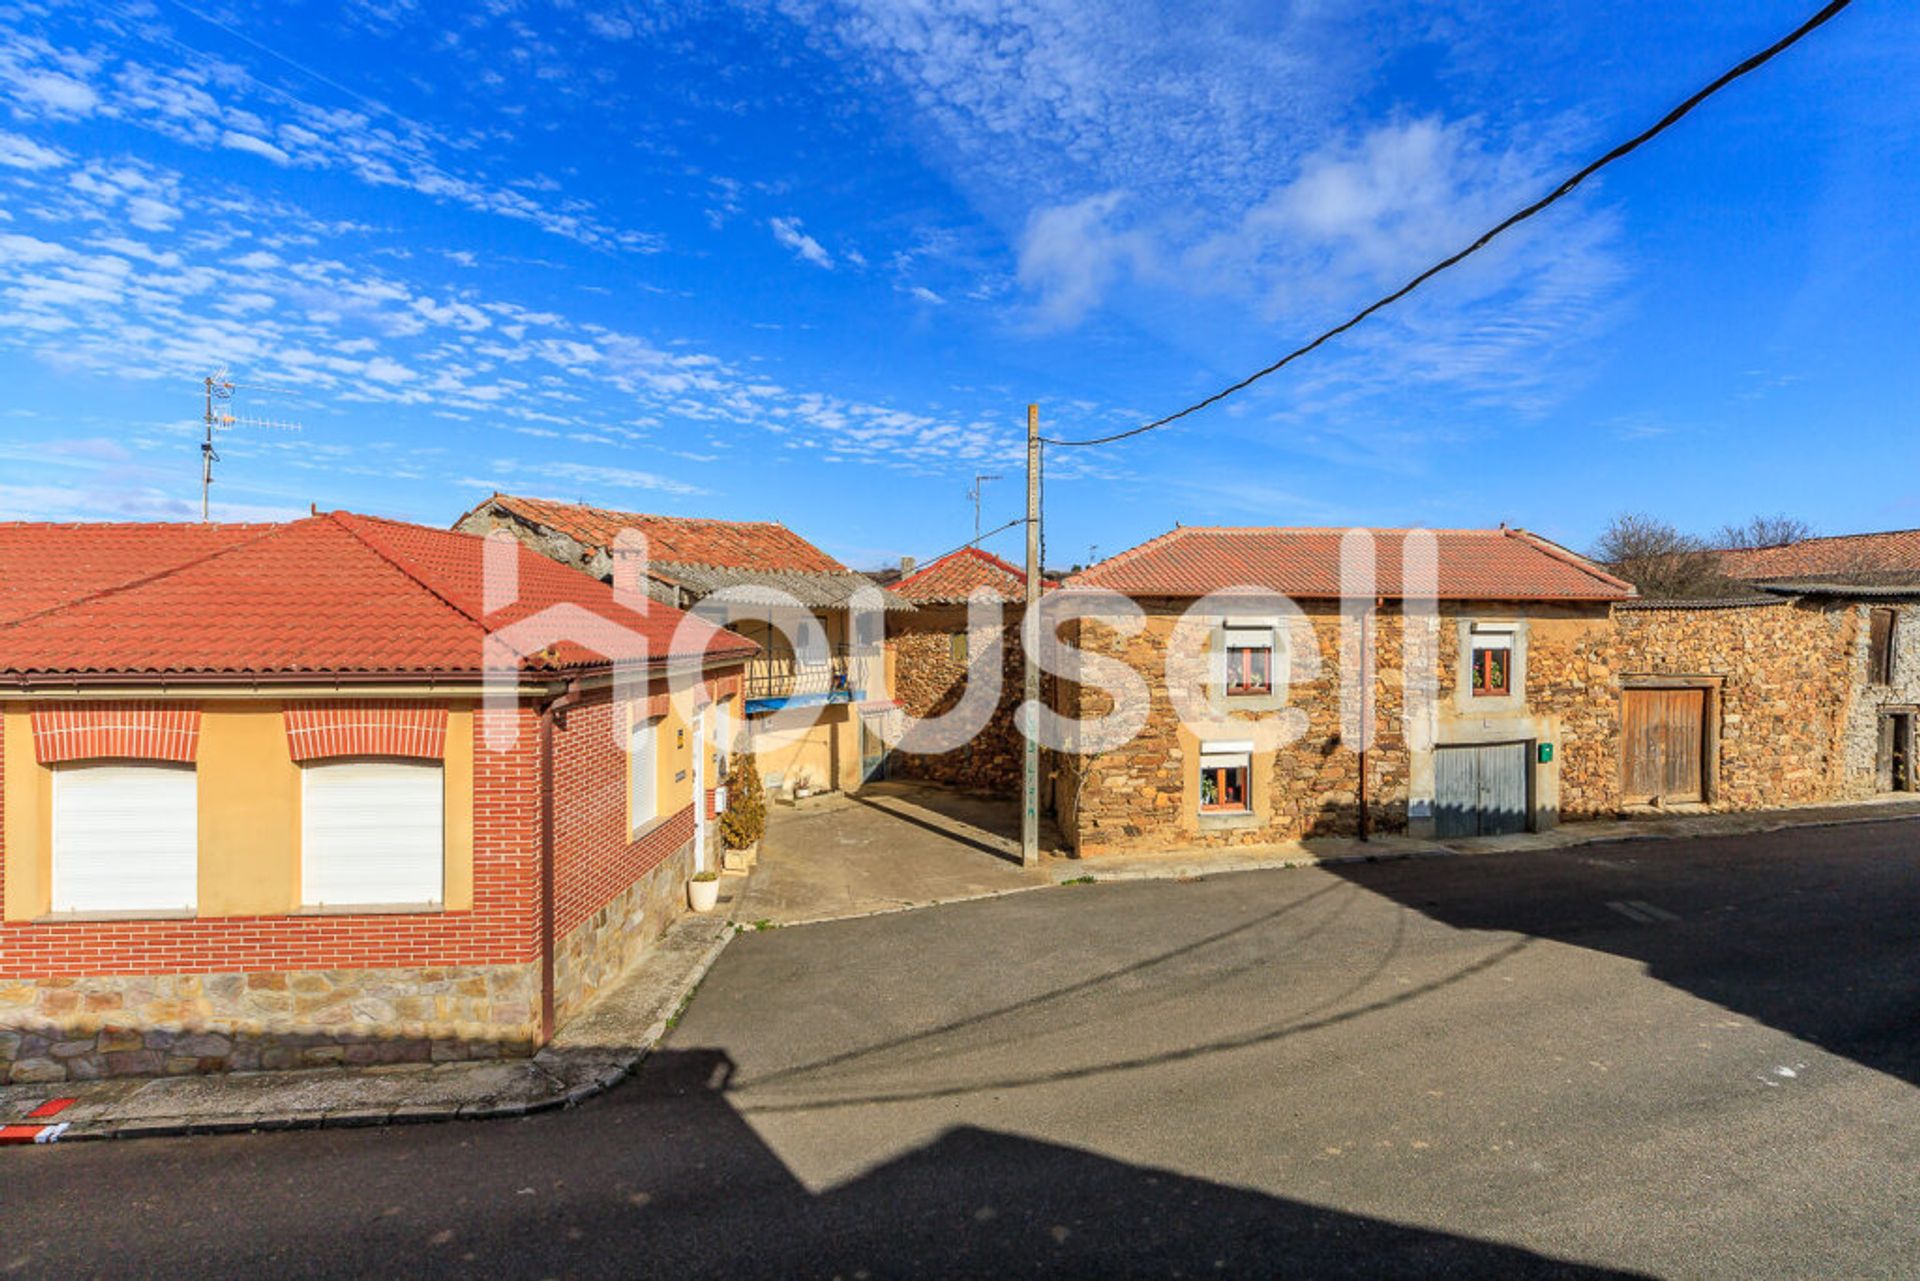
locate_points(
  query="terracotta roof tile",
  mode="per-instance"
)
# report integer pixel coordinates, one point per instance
(955, 576)
(685, 540)
(1304, 563)
(1893, 551)
(330, 595)
(48, 565)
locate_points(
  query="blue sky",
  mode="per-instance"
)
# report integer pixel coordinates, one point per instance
(808, 260)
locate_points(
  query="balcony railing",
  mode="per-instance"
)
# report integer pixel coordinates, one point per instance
(835, 675)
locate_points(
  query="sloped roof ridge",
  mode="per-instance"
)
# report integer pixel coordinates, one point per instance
(978, 553)
(345, 521)
(266, 531)
(1132, 553)
(1571, 557)
(1819, 538)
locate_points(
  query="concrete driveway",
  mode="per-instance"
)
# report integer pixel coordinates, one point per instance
(893, 845)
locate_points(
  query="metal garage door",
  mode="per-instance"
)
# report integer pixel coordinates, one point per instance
(1663, 733)
(1480, 790)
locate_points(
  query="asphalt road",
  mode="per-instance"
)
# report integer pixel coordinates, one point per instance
(1669, 1058)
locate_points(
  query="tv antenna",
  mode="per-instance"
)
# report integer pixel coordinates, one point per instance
(974, 495)
(219, 387)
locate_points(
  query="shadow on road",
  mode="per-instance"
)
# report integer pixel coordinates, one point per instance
(1814, 932)
(979, 1203)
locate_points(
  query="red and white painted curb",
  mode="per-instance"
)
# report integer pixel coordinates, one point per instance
(39, 1125)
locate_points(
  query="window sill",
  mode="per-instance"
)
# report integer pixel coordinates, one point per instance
(369, 909)
(1228, 819)
(646, 829)
(137, 914)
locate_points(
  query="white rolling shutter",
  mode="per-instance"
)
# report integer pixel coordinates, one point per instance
(372, 833)
(643, 800)
(126, 838)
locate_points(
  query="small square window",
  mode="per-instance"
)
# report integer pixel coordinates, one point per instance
(1492, 670)
(1224, 779)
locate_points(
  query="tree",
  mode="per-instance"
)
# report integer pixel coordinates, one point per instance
(1662, 562)
(1764, 531)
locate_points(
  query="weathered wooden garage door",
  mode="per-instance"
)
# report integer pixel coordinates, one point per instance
(1480, 790)
(1663, 734)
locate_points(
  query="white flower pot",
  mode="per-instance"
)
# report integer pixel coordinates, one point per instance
(703, 895)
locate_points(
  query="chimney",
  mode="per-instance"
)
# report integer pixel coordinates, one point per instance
(906, 565)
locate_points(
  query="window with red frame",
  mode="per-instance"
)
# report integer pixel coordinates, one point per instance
(1224, 777)
(1249, 659)
(1492, 671)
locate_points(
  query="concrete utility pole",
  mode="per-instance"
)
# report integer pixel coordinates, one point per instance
(1030, 764)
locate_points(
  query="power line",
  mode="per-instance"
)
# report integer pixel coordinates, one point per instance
(1666, 122)
(997, 529)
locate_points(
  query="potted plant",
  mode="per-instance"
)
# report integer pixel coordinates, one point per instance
(744, 820)
(703, 891)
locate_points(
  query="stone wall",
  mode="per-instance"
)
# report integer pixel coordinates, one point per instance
(1783, 674)
(617, 936)
(83, 1028)
(928, 681)
(1143, 795)
(1860, 751)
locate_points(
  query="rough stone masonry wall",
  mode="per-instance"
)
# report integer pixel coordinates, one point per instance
(94, 998)
(1787, 671)
(928, 682)
(1860, 752)
(1136, 797)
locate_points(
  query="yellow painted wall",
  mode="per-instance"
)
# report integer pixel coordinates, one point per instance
(249, 793)
(29, 807)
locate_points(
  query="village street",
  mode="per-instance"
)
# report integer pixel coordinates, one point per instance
(1674, 1058)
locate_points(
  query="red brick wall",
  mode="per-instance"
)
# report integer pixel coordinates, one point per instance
(501, 928)
(594, 857)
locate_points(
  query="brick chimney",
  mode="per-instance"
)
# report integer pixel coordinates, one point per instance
(906, 565)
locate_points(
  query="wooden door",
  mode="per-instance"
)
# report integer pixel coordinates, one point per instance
(1663, 747)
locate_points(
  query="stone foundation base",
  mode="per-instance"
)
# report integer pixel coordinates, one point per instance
(178, 1024)
(613, 939)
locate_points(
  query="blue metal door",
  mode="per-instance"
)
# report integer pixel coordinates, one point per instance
(1480, 789)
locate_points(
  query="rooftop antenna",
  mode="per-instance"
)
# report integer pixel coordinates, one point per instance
(219, 387)
(974, 495)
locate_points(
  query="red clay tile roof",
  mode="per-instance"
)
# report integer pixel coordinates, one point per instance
(66, 562)
(955, 576)
(334, 595)
(1475, 564)
(681, 540)
(1891, 552)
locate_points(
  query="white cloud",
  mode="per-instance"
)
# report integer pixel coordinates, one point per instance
(923, 294)
(17, 152)
(1072, 253)
(255, 146)
(787, 231)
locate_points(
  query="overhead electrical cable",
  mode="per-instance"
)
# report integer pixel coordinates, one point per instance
(1631, 145)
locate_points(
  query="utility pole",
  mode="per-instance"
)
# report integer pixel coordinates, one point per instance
(1030, 763)
(976, 493)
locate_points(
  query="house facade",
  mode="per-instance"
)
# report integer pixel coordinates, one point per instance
(815, 696)
(298, 795)
(1252, 735)
(939, 650)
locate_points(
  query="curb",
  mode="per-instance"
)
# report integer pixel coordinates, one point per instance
(608, 1073)
(1089, 870)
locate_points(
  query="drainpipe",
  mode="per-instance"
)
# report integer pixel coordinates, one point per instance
(552, 711)
(1366, 715)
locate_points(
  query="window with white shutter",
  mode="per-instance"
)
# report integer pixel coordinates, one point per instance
(126, 838)
(372, 833)
(643, 774)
